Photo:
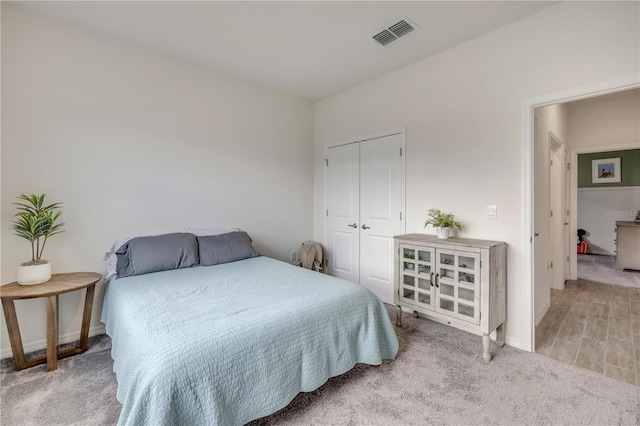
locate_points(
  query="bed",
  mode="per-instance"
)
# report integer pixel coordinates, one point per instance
(232, 342)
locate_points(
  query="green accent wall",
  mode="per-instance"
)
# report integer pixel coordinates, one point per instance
(629, 165)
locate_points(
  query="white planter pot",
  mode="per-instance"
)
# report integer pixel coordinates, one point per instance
(443, 233)
(34, 274)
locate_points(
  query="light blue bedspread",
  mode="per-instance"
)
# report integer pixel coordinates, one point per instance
(226, 344)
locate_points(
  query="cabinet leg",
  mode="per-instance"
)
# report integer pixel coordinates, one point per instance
(500, 331)
(398, 316)
(415, 314)
(486, 347)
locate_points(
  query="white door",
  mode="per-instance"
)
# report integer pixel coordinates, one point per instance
(343, 211)
(558, 212)
(380, 212)
(364, 197)
(542, 224)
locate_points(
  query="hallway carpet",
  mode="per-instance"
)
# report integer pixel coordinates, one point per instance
(603, 269)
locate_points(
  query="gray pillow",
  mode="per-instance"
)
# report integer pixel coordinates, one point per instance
(216, 249)
(142, 255)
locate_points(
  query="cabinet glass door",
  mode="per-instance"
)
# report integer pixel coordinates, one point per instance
(417, 275)
(458, 278)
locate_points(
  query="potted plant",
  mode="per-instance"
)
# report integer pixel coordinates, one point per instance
(443, 222)
(36, 222)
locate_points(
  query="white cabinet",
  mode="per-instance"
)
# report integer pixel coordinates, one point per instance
(628, 245)
(459, 281)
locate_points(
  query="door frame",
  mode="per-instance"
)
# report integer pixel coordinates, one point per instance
(398, 131)
(569, 241)
(527, 110)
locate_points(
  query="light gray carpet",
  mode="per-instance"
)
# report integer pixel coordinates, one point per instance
(438, 378)
(603, 269)
(80, 392)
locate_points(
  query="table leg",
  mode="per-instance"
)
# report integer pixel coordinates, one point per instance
(399, 316)
(9, 308)
(52, 333)
(86, 318)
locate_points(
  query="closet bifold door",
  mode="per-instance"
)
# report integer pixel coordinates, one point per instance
(364, 206)
(380, 208)
(343, 211)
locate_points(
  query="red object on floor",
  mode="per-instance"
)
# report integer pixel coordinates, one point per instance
(582, 247)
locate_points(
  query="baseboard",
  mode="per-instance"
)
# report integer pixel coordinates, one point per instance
(515, 343)
(42, 344)
(542, 312)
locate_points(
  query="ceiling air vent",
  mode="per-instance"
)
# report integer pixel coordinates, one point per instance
(395, 31)
(385, 37)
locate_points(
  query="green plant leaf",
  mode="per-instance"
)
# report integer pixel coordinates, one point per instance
(33, 221)
(438, 219)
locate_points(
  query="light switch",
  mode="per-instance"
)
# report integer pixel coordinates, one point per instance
(492, 212)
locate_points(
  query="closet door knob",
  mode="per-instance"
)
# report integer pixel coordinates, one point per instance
(364, 226)
(353, 225)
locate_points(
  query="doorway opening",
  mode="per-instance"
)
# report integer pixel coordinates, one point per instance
(588, 322)
(600, 209)
(529, 204)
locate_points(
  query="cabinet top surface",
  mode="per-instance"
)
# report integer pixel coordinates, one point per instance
(627, 223)
(58, 284)
(462, 242)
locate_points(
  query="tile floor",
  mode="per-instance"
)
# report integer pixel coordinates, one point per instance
(595, 326)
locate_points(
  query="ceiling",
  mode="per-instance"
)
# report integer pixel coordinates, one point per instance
(308, 49)
(608, 97)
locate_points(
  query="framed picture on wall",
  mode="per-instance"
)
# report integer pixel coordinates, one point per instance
(606, 170)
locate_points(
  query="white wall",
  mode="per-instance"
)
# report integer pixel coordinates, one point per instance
(135, 142)
(605, 121)
(598, 211)
(462, 111)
